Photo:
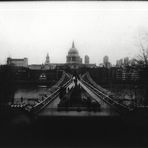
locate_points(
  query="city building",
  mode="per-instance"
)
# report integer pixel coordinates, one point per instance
(126, 74)
(123, 62)
(105, 59)
(89, 65)
(119, 63)
(45, 66)
(36, 66)
(17, 62)
(106, 62)
(86, 59)
(126, 61)
(81, 60)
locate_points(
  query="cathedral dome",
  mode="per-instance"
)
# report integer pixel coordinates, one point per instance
(73, 51)
(73, 56)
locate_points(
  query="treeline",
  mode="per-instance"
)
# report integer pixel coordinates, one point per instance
(114, 75)
(13, 74)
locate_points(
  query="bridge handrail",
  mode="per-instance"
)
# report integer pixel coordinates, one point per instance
(68, 74)
(53, 93)
(44, 103)
(96, 85)
(64, 74)
(110, 100)
(104, 90)
(61, 79)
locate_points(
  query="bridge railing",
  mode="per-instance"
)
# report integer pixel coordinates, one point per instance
(65, 77)
(38, 107)
(88, 78)
(105, 97)
(61, 79)
(110, 94)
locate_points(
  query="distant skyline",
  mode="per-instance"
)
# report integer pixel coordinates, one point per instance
(33, 29)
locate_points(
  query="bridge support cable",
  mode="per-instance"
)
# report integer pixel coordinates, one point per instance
(65, 76)
(110, 94)
(86, 77)
(106, 98)
(64, 83)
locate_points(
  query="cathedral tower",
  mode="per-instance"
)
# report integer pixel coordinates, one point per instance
(47, 59)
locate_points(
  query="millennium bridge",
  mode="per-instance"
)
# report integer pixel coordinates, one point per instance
(76, 96)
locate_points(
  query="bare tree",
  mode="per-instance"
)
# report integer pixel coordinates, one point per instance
(142, 57)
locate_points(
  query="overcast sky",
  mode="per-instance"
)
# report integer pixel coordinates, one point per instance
(31, 29)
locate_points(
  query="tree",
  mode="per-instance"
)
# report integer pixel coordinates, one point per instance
(142, 60)
(142, 57)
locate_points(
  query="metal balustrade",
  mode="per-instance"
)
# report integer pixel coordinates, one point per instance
(61, 79)
(38, 107)
(105, 97)
(89, 79)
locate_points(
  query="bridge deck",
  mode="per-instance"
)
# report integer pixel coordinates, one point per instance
(52, 108)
